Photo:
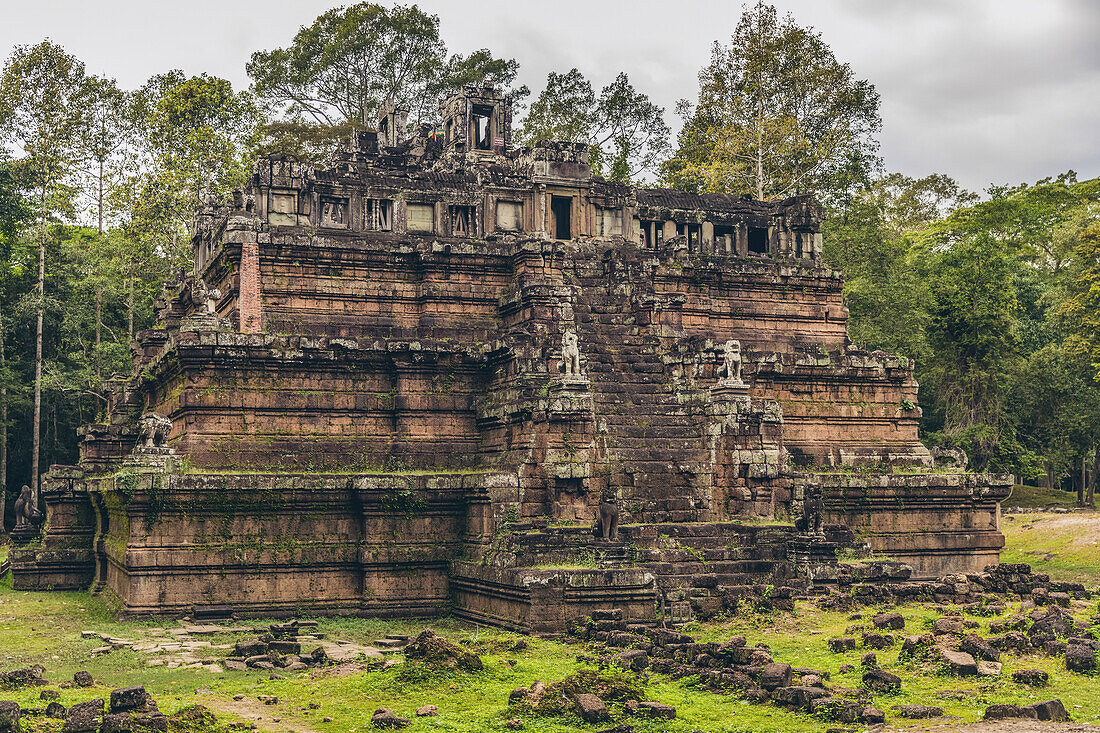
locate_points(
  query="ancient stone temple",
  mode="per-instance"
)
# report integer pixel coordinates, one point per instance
(413, 382)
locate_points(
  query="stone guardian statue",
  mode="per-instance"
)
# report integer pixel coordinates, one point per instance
(570, 356)
(26, 510)
(730, 374)
(154, 430)
(607, 526)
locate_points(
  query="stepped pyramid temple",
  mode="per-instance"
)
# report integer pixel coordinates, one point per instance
(452, 375)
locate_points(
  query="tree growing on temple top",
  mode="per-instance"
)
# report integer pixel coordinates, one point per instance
(351, 59)
(625, 131)
(777, 114)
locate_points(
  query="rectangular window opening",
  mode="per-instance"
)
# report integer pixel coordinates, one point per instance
(334, 212)
(561, 207)
(725, 239)
(509, 216)
(463, 221)
(758, 240)
(694, 235)
(609, 222)
(380, 215)
(420, 218)
(482, 122)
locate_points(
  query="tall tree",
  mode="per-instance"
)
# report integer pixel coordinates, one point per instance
(777, 114)
(43, 112)
(197, 136)
(13, 213)
(109, 126)
(625, 131)
(351, 59)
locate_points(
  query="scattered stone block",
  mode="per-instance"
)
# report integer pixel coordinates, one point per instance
(797, 697)
(129, 698)
(979, 648)
(874, 640)
(385, 718)
(917, 712)
(427, 711)
(989, 669)
(1002, 712)
(591, 708)
(775, 675)
(836, 708)
(889, 620)
(1033, 677)
(873, 716)
(10, 713)
(1052, 710)
(842, 644)
(959, 663)
(880, 680)
(83, 679)
(84, 717)
(657, 710)
(1080, 658)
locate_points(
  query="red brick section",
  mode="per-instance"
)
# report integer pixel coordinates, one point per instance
(249, 304)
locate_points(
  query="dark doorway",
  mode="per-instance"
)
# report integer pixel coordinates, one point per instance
(561, 207)
(482, 123)
(758, 241)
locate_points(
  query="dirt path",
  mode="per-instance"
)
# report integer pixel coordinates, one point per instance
(999, 726)
(266, 717)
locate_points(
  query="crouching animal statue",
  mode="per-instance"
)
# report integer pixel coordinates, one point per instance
(607, 524)
(26, 509)
(154, 430)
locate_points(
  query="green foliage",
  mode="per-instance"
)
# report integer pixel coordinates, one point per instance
(626, 133)
(777, 114)
(351, 59)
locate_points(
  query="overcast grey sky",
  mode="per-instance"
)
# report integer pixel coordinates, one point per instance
(987, 91)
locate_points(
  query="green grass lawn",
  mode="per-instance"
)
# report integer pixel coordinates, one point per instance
(1034, 497)
(1065, 545)
(45, 628)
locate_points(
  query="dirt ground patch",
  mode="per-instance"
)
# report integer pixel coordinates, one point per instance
(1063, 545)
(999, 726)
(266, 717)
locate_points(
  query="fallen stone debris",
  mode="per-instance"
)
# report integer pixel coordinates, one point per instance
(750, 672)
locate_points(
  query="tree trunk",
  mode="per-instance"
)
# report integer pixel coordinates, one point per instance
(3, 434)
(37, 424)
(130, 305)
(1090, 494)
(100, 197)
(98, 325)
(1084, 480)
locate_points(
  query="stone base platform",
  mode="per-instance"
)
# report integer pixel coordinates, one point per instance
(544, 602)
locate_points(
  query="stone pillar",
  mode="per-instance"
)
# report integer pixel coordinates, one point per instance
(249, 304)
(742, 247)
(706, 243)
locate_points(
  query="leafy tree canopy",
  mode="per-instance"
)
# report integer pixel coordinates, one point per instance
(626, 132)
(777, 114)
(351, 59)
